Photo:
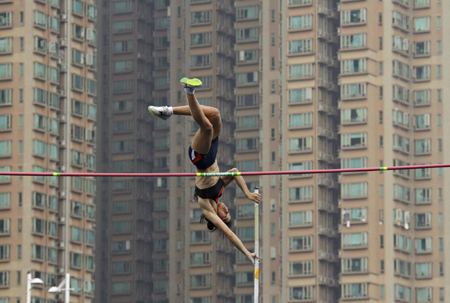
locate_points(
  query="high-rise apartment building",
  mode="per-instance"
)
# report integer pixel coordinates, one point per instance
(301, 84)
(391, 105)
(48, 116)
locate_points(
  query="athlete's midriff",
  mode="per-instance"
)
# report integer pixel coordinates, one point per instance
(206, 182)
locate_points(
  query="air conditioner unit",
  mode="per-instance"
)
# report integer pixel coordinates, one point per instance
(63, 42)
(62, 143)
(62, 194)
(62, 168)
(63, 16)
(61, 220)
(62, 92)
(61, 245)
(62, 118)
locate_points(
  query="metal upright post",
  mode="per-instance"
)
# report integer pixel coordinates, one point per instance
(29, 287)
(256, 296)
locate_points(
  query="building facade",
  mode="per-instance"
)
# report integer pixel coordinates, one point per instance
(301, 85)
(48, 103)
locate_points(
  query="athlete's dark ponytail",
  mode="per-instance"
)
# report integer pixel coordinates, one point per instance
(210, 225)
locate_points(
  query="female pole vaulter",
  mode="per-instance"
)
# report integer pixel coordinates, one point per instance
(202, 153)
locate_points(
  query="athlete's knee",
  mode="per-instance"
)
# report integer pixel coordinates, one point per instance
(207, 126)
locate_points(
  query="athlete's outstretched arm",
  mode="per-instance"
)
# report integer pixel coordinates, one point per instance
(213, 218)
(242, 185)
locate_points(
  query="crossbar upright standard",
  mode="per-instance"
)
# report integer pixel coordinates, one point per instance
(256, 296)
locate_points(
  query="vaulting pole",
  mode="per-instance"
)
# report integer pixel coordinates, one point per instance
(256, 296)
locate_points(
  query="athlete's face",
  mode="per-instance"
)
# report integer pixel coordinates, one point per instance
(223, 213)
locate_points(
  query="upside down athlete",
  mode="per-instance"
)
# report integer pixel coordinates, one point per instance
(202, 153)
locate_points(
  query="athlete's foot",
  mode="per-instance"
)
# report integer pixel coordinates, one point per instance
(162, 112)
(190, 84)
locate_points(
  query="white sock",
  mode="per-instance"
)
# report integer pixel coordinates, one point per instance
(189, 91)
(170, 110)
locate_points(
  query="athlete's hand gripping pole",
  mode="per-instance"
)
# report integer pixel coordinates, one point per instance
(256, 296)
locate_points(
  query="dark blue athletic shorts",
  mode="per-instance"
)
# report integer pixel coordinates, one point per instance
(201, 161)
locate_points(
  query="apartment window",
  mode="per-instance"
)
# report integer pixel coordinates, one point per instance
(307, 165)
(439, 71)
(400, 69)
(300, 22)
(354, 190)
(354, 265)
(354, 215)
(200, 236)
(401, 143)
(247, 12)
(303, 95)
(424, 294)
(357, 115)
(249, 78)
(249, 144)
(5, 148)
(304, 218)
(380, 19)
(247, 122)
(400, 20)
(424, 245)
(125, 26)
(6, 45)
(122, 6)
(354, 66)
(422, 48)
(200, 61)
(439, 145)
(402, 192)
(301, 293)
(380, 43)
(199, 39)
(438, 23)
(247, 165)
(245, 233)
(121, 227)
(120, 288)
(6, 71)
(441, 244)
(354, 163)
(424, 270)
(402, 292)
(423, 220)
(201, 17)
(422, 146)
(422, 121)
(400, 93)
(301, 243)
(354, 140)
(401, 242)
(400, 44)
(421, 3)
(422, 24)
(355, 290)
(247, 34)
(301, 268)
(353, 16)
(300, 144)
(200, 258)
(353, 41)
(300, 46)
(441, 289)
(300, 194)
(357, 90)
(301, 120)
(123, 46)
(299, 2)
(439, 47)
(300, 71)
